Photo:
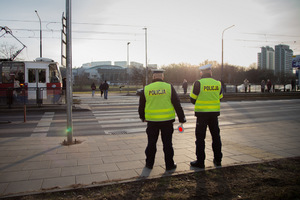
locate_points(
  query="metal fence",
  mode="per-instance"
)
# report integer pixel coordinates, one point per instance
(31, 95)
(241, 88)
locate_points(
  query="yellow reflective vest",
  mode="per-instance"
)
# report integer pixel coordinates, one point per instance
(208, 100)
(158, 106)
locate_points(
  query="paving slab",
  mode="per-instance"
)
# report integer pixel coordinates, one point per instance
(45, 173)
(77, 170)
(59, 182)
(23, 186)
(7, 177)
(104, 168)
(91, 178)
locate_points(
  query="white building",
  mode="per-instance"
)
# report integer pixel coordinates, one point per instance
(283, 59)
(280, 60)
(93, 64)
(105, 70)
(266, 58)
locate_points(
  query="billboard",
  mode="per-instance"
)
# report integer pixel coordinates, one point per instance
(296, 61)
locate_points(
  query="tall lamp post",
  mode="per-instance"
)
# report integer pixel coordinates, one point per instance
(222, 49)
(128, 43)
(41, 55)
(146, 55)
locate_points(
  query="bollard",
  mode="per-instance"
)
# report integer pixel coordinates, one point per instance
(9, 96)
(24, 112)
(23, 91)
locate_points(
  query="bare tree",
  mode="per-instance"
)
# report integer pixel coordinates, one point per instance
(137, 75)
(7, 51)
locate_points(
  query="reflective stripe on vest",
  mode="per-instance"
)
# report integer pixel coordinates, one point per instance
(209, 98)
(158, 102)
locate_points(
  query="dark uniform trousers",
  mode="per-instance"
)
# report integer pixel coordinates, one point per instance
(201, 126)
(152, 131)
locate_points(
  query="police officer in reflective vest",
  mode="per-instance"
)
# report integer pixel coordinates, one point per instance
(206, 95)
(158, 104)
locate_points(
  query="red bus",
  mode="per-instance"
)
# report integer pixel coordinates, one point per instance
(30, 82)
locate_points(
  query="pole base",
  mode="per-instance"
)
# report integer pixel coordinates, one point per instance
(66, 143)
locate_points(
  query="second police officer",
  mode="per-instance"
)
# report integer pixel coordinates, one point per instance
(206, 94)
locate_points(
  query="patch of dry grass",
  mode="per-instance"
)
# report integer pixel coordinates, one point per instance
(279, 179)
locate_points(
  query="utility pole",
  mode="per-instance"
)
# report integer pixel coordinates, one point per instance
(128, 43)
(69, 85)
(146, 63)
(41, 54)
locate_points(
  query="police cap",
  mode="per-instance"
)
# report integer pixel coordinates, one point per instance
(156, 71)
(205, 67)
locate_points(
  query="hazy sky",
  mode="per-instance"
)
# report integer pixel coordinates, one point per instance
(178, 31)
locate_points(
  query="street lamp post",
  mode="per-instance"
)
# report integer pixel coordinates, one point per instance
(146, 55)
(128, 43)
(41, 55)
(222, 50)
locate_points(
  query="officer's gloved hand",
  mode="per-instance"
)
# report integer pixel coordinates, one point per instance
(182, 121)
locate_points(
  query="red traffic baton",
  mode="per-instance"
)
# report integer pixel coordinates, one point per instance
(180, 128)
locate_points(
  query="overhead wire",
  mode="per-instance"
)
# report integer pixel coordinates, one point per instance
(265, 35)
(273, 35)
(78, 38)
(82, 23)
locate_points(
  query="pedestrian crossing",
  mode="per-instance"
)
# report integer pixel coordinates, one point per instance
(125, 119)
(120, 121)
(128, 121)
(102, 122)
(110, 119)
(43, 126)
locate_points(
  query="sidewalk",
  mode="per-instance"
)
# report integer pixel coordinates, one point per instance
(33, 165)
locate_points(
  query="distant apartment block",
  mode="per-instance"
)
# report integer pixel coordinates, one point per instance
(258, 60)
(266, 58)
(283, 59)
(280, 60)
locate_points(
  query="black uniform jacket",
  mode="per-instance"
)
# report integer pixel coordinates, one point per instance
(175, 101)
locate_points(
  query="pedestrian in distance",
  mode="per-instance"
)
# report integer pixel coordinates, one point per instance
(246, 84)
(101, 88)
(93, 87)
(105, 89)
(157, 106)
(64, 85)
(293, 84)
(269, 85)
(184, 86)
(263, 85)
(205, 95)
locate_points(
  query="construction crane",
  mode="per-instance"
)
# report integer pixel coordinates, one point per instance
(8, 31)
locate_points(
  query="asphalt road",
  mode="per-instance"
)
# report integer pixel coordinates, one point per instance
(94, 117)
